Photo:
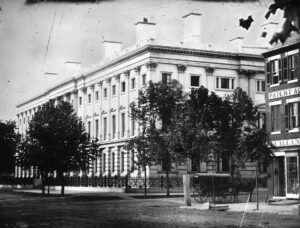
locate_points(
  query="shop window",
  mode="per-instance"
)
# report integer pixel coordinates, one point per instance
(275, 118)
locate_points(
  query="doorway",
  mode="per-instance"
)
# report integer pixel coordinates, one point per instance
(279, 176)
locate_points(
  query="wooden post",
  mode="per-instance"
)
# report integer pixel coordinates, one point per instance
(187, 190)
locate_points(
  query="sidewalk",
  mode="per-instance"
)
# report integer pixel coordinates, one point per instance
(178, 198)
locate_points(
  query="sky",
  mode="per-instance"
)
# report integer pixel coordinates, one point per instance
(40, 38)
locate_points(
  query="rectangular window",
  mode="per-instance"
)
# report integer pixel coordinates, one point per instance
(104, 162)
(275, 71)
(90, 98)
(285, 69)
(292, 115)
(80, 100)
(224, 83)
(122, 161)
(195, 80)
(268, 70)
(113, 126)
(260, 86)
(123, 87)
(104, 128)
(113, 90)
(144, 78)
(89, 128)
(96, 128)
(113, 162)
(105, 92)
(275, 118)
(132, 83)
(132, 126)
(97, 95)
(291, 67)
(123, 124)
(166, 78)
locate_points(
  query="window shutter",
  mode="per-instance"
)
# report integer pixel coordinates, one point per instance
(280, 70)
(285, 69)
(286, 117)
(297, 66)
(268, 73)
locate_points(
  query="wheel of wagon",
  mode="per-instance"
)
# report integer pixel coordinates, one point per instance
(199, 195)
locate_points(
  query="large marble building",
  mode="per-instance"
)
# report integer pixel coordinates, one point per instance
(101, 95)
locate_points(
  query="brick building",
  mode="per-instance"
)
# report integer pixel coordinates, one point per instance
(283, 116)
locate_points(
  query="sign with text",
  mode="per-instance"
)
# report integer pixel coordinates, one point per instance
(284, 93)
(286, 142)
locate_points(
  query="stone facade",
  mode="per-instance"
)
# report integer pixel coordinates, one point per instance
(102, 94)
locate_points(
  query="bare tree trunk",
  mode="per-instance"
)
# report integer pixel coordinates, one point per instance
(167, 182)
(256, 183)
(43, 183)
(62, 193)
(145, 184)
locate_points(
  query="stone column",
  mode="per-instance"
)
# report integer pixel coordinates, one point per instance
(127, 125)
(74, 100)
(181, 70)
(117, 78)
(92, 89)
(108, 81)
(100, 84)
(84, 104)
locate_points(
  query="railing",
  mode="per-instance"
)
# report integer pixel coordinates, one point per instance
(8, 180)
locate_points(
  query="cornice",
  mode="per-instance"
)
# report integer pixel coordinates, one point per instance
(154, 48)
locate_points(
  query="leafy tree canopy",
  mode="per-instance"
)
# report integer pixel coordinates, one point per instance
(8, 143)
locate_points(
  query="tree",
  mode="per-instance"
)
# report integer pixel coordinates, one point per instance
(56, 141)
(154, 111)
(194, 131)
(238, 111)
(255, 146)
(8, 143)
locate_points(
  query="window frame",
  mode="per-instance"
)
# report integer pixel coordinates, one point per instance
(275, 119)
(218, 83)
(195, 75)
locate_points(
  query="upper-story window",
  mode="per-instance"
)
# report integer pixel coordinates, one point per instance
(224, 83)
(123, 86)
(113, 90)
(166, 78)
(144, 79)
(292, 115)
(282, 69)
(89, 128)
(80, 100)
(132, 83)
(260, 86)
(275, 118)
(97, 95)
(195, 80)
(90, 98)
(105, 92)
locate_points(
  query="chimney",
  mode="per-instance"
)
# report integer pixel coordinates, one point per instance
(192, 28)
(111, 48)
(237, 43)
(145, 30)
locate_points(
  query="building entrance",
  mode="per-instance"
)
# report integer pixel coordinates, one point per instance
(279, 176)
(292, 176)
